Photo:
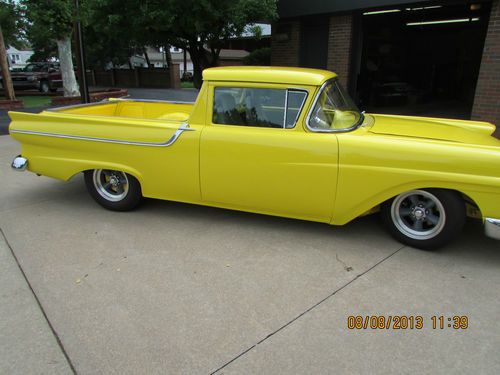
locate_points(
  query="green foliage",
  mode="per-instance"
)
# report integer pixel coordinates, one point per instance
(256, 31)
(111, 35)
(47, 21)
(195, 22)
(261, 56)
(53, 18)
(11, 22)
(198, 24)
(193, 25)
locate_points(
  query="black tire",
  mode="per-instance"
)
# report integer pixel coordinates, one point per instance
(122, 194)
(44, 86)
(426, 219)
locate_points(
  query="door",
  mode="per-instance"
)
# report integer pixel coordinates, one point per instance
(256, 156)
(314, 42)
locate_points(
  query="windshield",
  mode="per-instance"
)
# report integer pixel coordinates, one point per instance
(36, 68)
(334, 110)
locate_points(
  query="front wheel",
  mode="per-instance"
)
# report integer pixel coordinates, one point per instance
(114, 190)
(425, 219)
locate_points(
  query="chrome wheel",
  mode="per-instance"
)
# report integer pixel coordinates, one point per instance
(418, 214)
(111, 185)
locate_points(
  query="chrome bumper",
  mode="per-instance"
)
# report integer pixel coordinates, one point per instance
(19, 163)
(492, 228)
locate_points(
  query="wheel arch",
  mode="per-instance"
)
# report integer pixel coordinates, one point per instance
(372, 203)
(111, 166)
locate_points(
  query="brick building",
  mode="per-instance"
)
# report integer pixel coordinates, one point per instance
(436, 58)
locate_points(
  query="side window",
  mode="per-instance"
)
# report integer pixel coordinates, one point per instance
(271, 108)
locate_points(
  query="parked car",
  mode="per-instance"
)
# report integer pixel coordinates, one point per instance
(42, 76)
(278, 141)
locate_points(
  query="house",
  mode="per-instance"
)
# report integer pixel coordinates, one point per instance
(18, 58)
(158, 59)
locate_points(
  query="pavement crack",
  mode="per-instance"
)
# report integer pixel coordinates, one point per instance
(54, 332)
(308, 310)
(346, 267)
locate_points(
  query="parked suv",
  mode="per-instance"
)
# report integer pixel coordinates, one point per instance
(41, 75)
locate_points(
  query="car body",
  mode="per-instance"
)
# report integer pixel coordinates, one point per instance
(42, 76)
(279, 141)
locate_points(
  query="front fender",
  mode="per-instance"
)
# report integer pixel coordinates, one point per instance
(374, 168)
(488, 202)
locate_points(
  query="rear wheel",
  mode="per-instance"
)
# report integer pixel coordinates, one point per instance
(425, 219)
(114, 190)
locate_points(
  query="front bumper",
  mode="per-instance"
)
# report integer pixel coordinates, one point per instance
(19, 163)
(492, 228)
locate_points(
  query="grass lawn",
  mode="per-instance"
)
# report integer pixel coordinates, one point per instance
(35, 101)
(187, 85)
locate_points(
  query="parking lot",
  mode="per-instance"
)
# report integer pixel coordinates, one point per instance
(176, 288)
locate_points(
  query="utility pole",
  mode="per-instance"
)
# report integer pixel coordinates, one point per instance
(4, 64)
(80, 57)
(185, 59)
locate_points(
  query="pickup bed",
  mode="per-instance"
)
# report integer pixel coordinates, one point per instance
(128, 108)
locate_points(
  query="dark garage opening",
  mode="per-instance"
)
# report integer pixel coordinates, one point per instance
(422, 59)
(314, 42)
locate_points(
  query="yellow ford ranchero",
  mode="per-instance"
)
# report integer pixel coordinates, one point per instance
(279, 141)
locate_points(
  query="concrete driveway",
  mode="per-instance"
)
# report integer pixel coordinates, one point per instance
(179, 289)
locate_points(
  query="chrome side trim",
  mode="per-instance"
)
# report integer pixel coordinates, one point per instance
(125, 99)
(312, 108)
(492, 228)
(19, 163)
(169, 142)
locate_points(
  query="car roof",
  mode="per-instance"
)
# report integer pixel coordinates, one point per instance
(269, 74)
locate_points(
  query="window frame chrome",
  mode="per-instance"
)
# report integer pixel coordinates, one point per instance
(300, 108)
(308, 118)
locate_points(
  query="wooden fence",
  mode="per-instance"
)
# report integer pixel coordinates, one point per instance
(138, 77)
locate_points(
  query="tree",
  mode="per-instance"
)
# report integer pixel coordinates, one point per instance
(112, 37)
(54, 20)
(44, 47)
(201, 26)
(11, 22)
(9, 34)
